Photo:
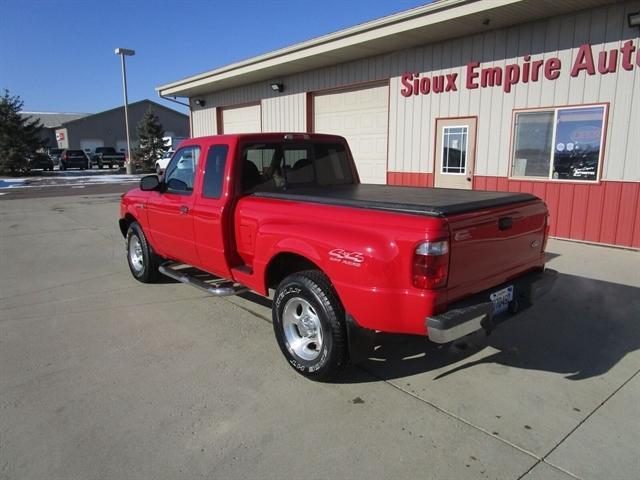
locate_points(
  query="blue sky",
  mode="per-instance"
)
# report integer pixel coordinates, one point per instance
(58, 55)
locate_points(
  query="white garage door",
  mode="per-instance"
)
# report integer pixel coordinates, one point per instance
(91, 144)
(361, 116)
(241, 119)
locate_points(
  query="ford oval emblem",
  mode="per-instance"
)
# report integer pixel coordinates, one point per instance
(535, 244)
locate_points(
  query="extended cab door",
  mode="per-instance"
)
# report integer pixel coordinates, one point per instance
(211, 213)
(170, 212)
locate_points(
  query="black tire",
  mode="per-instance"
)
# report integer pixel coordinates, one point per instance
(147, 271)
(63, 167)
(312, 290)
(100, 165)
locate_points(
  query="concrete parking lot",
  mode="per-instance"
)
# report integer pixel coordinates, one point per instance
(106, 378)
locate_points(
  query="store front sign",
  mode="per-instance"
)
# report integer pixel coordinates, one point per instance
(525, 71)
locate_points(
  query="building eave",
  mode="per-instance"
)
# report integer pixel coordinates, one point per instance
(437, 21)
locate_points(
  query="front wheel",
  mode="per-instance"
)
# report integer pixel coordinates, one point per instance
(308, 321)
(143, 263)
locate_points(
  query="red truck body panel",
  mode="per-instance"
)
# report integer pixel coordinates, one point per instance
(367, 254)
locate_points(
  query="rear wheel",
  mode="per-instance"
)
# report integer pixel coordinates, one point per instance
(308, 321)
(143, 263)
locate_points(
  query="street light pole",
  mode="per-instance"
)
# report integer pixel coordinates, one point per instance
(125, 52)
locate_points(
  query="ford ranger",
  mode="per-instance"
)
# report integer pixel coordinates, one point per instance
(287, 212)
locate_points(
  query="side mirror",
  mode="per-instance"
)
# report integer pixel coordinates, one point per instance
(149, 183)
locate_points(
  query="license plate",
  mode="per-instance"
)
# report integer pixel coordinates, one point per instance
(501, 299)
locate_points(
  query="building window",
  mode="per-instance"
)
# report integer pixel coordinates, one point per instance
(455, 141)
(559, 143)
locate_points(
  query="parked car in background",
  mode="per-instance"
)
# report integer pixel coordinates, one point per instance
(54, 155)
(163, 161)
(107, 156)
(74, 159)
(39, 161)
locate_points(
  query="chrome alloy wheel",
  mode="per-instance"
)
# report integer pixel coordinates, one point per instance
(302, 329)
(135, 254)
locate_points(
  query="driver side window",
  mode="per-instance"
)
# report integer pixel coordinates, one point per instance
(181, 171)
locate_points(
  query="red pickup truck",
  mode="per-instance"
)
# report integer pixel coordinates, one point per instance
(287, 212)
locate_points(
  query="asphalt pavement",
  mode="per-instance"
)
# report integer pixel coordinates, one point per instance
(103, 377)
(39, 184)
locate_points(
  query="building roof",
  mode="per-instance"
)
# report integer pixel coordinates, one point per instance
(155, 105)
(436, 21)
(53, 119)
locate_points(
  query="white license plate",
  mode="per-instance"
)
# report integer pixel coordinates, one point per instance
(501, 299)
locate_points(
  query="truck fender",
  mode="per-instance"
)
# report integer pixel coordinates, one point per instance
(290, 246)
(297, 247)
(125, 221)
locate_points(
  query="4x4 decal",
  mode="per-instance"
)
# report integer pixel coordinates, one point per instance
(355, 259)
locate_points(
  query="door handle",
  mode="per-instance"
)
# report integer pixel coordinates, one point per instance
(184, 209)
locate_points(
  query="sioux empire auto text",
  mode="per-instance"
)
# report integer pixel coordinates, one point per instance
(528, 70)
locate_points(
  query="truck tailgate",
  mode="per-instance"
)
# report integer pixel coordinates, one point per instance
(491, 246)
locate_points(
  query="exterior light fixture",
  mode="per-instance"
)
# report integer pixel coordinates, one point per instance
(200, 102)
(634, 19)
(277, 87)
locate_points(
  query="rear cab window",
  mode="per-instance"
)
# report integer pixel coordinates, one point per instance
(279, 166)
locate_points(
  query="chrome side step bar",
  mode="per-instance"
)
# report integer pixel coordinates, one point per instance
(224, 289)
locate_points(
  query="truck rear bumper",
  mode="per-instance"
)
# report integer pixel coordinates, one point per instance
(476, 312)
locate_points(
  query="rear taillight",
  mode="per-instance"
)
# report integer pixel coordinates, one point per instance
(431, 264)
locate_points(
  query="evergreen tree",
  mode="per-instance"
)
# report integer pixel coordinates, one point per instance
(150, 143)
(19, 137)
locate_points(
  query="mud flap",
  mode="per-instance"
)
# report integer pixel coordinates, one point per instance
(361, 340)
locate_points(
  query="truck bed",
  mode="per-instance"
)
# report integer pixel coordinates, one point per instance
(435, 202)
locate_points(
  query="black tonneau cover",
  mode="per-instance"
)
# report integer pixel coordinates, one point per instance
(435, 202)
